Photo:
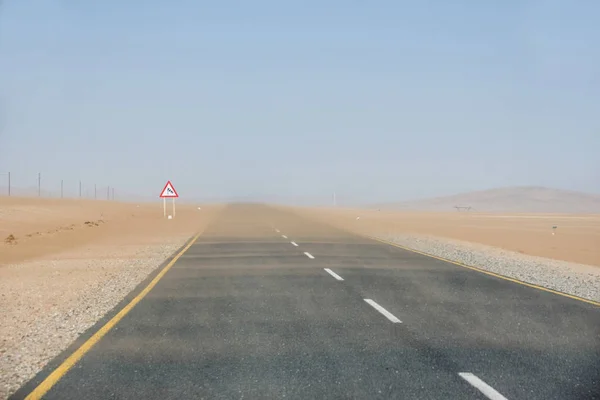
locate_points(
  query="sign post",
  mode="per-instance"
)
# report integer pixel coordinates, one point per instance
(168, 192)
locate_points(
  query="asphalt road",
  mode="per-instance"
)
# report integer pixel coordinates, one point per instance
(246, 314)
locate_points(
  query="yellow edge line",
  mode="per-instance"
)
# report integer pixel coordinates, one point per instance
(531, 285)
(63, 368)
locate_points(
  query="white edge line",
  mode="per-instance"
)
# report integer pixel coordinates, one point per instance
(336, 276)
(483, 387)
(294, 243)
(308, 254)
(283, 236)
(382, 310)
(277, 230)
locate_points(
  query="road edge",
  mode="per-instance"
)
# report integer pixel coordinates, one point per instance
(56, 368)
(484, 271)
(473, 268)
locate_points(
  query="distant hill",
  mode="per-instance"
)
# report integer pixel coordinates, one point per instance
(510, 199)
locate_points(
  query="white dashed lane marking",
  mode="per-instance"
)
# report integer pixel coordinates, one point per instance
(382, 310)
(294, 243)
(309, 255)
(336, 276)
(483, 387)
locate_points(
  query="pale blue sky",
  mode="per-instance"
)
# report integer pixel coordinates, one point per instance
(379, 101)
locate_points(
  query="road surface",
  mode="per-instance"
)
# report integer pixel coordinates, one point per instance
(268, 305)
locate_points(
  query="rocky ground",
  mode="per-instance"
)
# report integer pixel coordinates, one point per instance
(72, 295)
(52, 297)
(576, 279)
(64, 272)
(526, 247)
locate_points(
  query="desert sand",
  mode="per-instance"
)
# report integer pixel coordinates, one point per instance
(576, 236)
(65, 263)
(32, 227)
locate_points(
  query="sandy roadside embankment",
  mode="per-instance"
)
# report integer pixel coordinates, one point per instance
(520, 246)
(71, 262)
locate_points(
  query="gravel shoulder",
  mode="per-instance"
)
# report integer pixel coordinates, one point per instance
(45, 319)
(496, 243)
(567, 277)
(48, 301)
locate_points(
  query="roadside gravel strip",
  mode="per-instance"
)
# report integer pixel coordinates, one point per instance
(61, 299)
(575, 279)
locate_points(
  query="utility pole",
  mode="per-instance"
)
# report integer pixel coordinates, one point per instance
(61, 188)
(95, 193)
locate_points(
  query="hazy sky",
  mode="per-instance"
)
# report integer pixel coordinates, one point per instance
(285, 100)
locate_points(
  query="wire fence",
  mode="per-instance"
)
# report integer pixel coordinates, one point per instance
(39, 186)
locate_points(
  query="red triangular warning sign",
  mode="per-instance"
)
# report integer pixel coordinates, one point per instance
(169, 191)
